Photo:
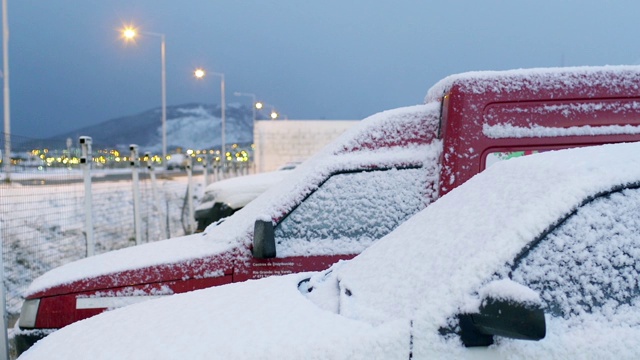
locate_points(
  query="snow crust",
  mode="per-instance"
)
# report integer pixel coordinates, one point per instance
(137, 257)
(510, 131)
(536, 79)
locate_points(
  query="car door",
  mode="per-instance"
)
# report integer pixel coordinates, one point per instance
(586, 269)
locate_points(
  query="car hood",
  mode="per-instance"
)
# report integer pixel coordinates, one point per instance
(268, 318)
(172, 259)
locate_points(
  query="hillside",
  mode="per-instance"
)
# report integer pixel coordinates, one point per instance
(194, 126)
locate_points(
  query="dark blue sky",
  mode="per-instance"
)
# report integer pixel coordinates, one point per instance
(331, 59)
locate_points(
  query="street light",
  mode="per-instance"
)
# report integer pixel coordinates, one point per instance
(129, 34)
(200, 73)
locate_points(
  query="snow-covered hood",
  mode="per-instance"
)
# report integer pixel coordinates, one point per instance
(171, 259)
(238, 192)
(279, 323)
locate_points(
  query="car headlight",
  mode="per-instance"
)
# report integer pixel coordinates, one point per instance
(29, 313)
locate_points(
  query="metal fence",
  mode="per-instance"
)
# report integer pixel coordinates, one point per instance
(42, 215)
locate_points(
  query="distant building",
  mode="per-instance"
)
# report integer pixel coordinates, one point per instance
(282, 141)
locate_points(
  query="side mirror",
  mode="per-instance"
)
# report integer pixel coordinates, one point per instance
(264, 240)
(507, 316)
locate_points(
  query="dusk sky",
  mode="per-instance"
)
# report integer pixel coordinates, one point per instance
(331, 59)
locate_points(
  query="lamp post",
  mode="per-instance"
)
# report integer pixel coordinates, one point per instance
(6, 160)
(129, 33)
(200, 73)
(4, 340)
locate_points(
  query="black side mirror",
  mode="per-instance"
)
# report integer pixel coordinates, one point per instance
(502, 317)
(264, 240)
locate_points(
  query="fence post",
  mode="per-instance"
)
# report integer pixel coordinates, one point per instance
(136, 192)
(205, 164)
(85, 162)
(190, 194)
(156, 198)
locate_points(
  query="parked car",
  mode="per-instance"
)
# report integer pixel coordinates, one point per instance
(533, 258)
(223, 198)
(356, 190)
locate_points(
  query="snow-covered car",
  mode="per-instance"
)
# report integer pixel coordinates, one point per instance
(535, 258)
(223, 198)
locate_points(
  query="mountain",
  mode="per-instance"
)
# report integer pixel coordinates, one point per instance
(189, 126)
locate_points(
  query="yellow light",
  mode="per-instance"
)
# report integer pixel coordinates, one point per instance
(199, 73)
(274, 115)
(259, 105)
(129, 33)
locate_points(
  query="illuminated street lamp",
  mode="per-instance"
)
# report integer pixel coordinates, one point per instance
(129, 34)
(200, 73)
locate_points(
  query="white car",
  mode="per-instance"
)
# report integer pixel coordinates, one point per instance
(223, 198)
(534, 258)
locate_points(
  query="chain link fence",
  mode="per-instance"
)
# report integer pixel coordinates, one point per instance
(42, 211)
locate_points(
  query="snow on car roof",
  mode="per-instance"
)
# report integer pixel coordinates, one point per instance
(537, 79)
(236, 230)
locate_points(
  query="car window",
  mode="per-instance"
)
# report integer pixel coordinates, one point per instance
(588, 264)
(354, 207)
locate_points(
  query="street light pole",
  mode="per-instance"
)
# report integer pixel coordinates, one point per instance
(4, 340)
(164, 91)
(5, 75)
(199, 73)
(130, 33)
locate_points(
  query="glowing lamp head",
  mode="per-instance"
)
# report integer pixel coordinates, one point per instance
(199, 73)
(274, 115)
(129, 33)
(259, 105)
